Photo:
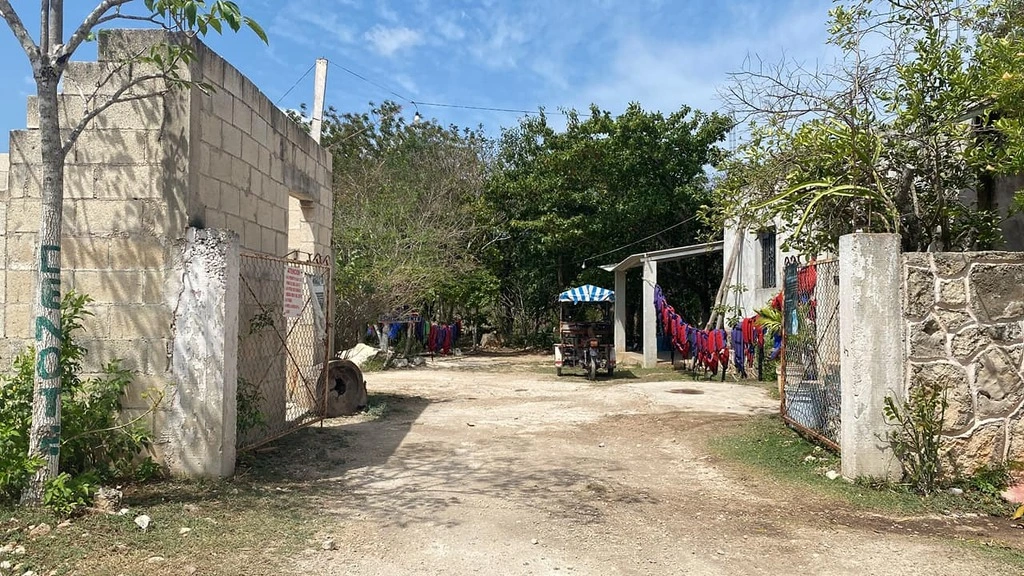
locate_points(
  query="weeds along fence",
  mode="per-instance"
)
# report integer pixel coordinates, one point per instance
(811, 386)
(283, 346)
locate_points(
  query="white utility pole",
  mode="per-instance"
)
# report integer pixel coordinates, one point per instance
(319, 88)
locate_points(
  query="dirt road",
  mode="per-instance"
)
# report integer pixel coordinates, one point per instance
(492, 466)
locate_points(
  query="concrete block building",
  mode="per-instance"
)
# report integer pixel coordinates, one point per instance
(140, 176)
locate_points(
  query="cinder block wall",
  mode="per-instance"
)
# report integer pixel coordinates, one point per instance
(964, 317)
(255, 165)
(138, 177)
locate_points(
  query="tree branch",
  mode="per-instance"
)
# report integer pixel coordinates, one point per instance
(18, 28)
(117, 97)
(86, 27)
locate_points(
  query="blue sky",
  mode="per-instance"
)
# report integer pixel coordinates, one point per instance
(490, 53)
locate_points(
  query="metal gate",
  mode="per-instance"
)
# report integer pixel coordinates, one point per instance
(283, 346)
(811, 392)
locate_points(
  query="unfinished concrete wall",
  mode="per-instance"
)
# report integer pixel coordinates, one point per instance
(259, 173)
(138, 177)
(964, 318)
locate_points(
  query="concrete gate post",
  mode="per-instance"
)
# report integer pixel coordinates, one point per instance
(650, 280)
(620, 312)
(200, 433)
(871, 343)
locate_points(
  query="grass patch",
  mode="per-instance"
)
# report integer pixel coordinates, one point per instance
(377, 406)
(766, 444)
(232, 528)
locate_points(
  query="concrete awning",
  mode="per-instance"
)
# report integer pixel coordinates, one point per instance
(649, 261)
(666, 255)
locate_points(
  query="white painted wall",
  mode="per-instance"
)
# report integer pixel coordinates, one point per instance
(747, 271)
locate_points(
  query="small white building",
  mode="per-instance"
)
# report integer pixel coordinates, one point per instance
(758, 273)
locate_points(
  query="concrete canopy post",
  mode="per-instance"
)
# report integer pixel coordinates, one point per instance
(871, 342)
(620, 311)
(650, 280)
(201, 421)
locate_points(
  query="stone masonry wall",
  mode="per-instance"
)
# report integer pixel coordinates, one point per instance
(964, 315)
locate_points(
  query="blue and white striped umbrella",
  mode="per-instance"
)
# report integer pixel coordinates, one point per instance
(587, 293)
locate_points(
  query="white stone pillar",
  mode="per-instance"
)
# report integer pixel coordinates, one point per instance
(620, 312)
(872, 350)
(650, 279)
(199, 439)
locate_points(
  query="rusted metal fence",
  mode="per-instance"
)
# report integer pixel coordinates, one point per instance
(283, 346)
(811, 386)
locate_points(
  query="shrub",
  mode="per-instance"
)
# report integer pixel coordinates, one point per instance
(96, 446)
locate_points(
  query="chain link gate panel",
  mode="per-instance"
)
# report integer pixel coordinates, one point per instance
(282, 346)
(811, 387)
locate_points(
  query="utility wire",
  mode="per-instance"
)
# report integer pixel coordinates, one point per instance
(301, 78)
(676, 225)
(416, 103)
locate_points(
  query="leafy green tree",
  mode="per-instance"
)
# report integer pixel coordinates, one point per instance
(407, 228)
(879, 141)
(563, 202)
(48, 55)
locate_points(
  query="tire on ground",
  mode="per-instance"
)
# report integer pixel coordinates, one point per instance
(346, 389)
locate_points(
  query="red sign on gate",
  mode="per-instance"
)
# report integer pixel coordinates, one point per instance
(293, 299)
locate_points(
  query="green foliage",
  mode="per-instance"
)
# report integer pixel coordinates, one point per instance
(561, 203)
(917, 434)
(96, 446)
(407, 226)
(64, 494)
(249, 399)
(882, 141)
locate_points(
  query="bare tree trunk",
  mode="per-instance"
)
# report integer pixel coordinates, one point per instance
(723, 288)
(44, 436)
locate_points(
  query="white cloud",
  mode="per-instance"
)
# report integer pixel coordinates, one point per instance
(449, 30)
(407, 84)
(665, 74)
(388, 41)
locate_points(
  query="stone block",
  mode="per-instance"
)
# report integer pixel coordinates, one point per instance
(927, 339)
(1015, 449)
(264, 164)
(952, 292)
(951, 264)
(23, 215)
(253, 239)
(136, 253)
(919, 292)
(952, 378)
(86, 253)
(241, 117)
(984, 447)
(953, 320)
(239, 174)
(115, 147)
(112, 286)
(97, 326)
(21, 285)
(128, 182)
(147, 389)
(79, 181)
(235, 224)
(210, 130)
(24, 147)
(998, 382)
(268, 241)
(220, 165)
(250, 151)
(223, 103)
(997, 291)
(18, 320)
(140, 321)
(230, 198)
(232, 140)
(153, 282)
(969, 342)
(21, 252)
